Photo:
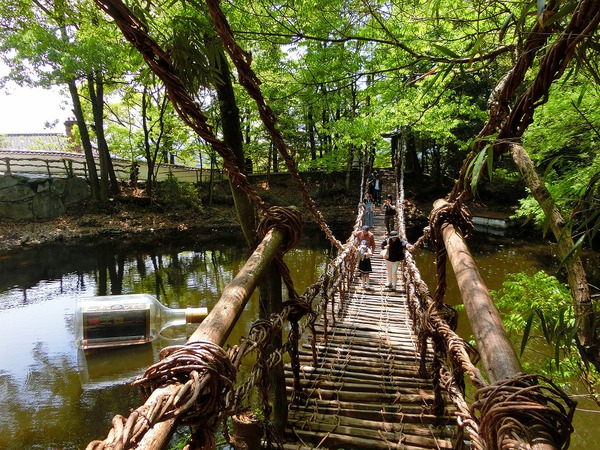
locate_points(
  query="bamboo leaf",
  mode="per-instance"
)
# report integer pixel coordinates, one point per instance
(581, 94)
(440, 75)
(568, 8)
(544, 326)
(549, 167)
(446, 51)
(573, 250)
(476, 168)
(505, 26)
(526, 332)
(490, 161)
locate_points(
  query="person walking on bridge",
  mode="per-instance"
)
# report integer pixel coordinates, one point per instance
(377, 189)
(364, 265)
(368, 215)
(390, 214)
(366, 249)
(365, 235)
(396, 248)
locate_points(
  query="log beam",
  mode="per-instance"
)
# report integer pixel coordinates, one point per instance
(217, 326)
(497, 354)
(499, 358)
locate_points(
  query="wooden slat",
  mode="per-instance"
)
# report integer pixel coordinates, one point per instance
(366, 391)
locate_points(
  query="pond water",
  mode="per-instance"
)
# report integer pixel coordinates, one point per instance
(56, 397)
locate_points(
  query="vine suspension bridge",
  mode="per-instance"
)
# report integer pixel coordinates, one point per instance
(366, 368)
(413, 367)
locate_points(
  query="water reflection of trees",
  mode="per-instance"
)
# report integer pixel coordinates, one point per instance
(49, 409)
(177, 278)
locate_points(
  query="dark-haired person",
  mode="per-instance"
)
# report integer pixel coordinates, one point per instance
(368, 215)
(365, 235)
(396, 249)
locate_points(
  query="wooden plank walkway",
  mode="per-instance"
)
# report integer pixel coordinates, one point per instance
(365, 391)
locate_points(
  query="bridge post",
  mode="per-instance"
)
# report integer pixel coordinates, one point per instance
(217, 326)
(498, 356)
(271, 303)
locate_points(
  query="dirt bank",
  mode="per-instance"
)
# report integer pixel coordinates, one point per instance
(133, 217)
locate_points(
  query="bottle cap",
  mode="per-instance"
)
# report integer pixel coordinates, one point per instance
(195, 315)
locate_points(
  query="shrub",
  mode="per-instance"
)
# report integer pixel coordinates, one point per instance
(179, 195)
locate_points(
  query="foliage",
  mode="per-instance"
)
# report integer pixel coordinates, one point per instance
(179, 195)
(564, 141)
(538, 311)
(182, 441)
(341, 77)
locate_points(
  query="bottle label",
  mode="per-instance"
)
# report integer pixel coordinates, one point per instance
(112, 325)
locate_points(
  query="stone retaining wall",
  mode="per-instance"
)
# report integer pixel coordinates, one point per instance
(39, 197)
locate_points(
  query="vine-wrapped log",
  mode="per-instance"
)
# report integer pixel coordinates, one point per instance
(499, 358)
(497, 354)
(221, 319)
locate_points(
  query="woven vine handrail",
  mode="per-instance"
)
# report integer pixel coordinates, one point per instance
(533, 412)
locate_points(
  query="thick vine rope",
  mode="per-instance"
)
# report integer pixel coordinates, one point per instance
(242, 61)
(508, 408)
(198, 376)
(510, 122)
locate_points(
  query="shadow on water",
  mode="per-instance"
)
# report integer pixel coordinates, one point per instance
(55, 396)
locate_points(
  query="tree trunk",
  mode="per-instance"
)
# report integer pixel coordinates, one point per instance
(150, 156)
(83, 131)
(232, 135)
(348, 177)
(274, 158)
(311, 133)
(103, 156)
(85, 141)
(576, 277)
(412, 160)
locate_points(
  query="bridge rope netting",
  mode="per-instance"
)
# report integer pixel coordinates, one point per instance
(195, 384)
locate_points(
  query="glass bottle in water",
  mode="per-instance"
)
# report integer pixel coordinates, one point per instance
(116, 320)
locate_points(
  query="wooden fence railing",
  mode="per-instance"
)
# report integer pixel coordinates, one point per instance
(56, 164)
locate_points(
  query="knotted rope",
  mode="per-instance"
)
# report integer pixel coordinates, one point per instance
(190, 382)
(508, 409)
(185, 365)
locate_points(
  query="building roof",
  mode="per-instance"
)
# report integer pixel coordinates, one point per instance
(34, 141)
